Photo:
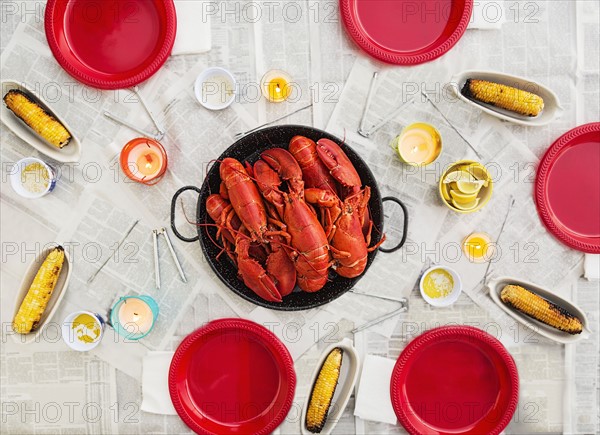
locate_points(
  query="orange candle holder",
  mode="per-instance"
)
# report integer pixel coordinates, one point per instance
(144, 160)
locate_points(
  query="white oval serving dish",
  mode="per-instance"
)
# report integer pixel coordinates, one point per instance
(496, 285)
(347, 380)
(55, 299)
(552, 108)
(69, 154)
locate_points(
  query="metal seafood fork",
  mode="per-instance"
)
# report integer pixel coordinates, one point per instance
(155, 234)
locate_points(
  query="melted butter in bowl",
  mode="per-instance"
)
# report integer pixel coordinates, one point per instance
(86, 328)
(82, 330)
(440, 286)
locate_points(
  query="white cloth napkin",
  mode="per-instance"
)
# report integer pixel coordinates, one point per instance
(373, 400)
(193, 28)
(487, 15)
(591, 266)
(155, 383)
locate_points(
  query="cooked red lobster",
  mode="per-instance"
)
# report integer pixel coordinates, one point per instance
(279, 233)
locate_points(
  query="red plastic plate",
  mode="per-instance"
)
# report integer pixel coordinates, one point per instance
(455, 380)
(567, 188)
(232, 376)
(406, 32)
(111, 44)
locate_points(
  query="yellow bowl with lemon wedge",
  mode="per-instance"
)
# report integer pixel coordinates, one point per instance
(466, 186)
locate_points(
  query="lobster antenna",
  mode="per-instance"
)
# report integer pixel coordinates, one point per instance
(222, 248)
(206, 224)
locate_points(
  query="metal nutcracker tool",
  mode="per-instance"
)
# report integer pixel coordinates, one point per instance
(155, 234)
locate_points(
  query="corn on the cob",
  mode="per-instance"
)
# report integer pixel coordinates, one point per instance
(506, 97)
(40, 121)
(540, 309)
(323, 391)
(35, 302)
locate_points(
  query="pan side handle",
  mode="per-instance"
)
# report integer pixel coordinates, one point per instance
(405, 226)
(173, 204)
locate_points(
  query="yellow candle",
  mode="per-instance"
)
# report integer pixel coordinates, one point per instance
(148, 163)
(478, 247)
(419, 144)
(136, 316)
(276, 86)
(278, 89)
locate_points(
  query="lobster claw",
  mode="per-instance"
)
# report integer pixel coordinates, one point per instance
(314, 171)
(286, 166)
(338, 163)
(254, 275)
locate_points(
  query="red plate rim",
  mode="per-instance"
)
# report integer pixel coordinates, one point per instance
(447, 332)
(52, 21)
(263, 334)
(541, 187)
(356, 33)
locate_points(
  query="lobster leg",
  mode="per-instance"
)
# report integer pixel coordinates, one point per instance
(368, 238)
(337, 254)
(328, 201)
(221, 211)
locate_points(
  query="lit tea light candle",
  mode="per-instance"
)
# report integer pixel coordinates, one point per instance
(148, 164)
(418, 144)
(144, 160)
(133, 317)
(478, 247)
(137, 313)
(276, 86)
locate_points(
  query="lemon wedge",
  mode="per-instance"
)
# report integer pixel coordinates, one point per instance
(456, 176)
(469, 187)
(463, 198)
(446, 192)
(466, 207)
(479, 174)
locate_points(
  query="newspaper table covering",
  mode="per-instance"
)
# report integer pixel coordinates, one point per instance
(93, 206)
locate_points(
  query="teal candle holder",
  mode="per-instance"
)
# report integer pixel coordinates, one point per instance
(133, 328)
